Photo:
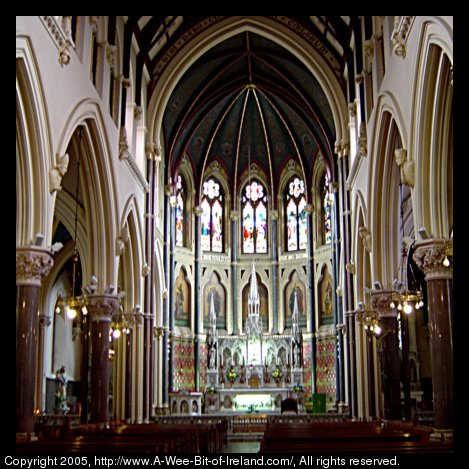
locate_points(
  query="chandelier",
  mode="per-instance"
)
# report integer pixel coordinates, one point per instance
(119, 322)
(75, 303)
(406, 294)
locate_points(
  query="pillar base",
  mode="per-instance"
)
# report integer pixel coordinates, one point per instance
(442, 436)
(25, 437)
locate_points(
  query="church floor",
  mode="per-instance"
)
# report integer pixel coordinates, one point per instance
(243, 443)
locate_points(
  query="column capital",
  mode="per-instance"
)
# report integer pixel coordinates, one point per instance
(197, 211)
(102, 307)
(32, 264)
(381, 301)
(274, 215)
(432, 255)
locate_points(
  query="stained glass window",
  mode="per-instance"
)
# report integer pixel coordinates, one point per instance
(326, 206)
(212, 216)
(254, 207)
(180, 201)
(296, 215)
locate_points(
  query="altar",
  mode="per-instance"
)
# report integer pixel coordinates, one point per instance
(254, 371)
(245, 400)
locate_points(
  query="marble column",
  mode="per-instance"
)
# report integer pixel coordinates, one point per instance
(352, 365)
(430, 258)
(128, 369)
(44, 322)
(100, 308)
(32, 265)
(390, 366)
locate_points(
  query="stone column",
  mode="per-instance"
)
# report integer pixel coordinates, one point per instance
(198, 311)
(128, 369)
(32, 264)
(101, 308)
(44, 321)
(390, 366)
(429, 257)
(275, 287)
(234, 217)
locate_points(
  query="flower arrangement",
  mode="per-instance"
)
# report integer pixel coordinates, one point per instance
(211, 389)
(231, 375)
(298, 387)
(277, 374)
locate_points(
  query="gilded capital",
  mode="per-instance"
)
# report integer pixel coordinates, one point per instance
(32, 264)
(434, 258)
(102, 307)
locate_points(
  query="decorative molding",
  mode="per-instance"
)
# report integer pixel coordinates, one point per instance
(57, 172)
(145, 269)
(122, 239)
(350, 267)
(138, 111)
(429, 256)
(365, 235)
(111, 52)
(407, 167)
(234, 215)
(102, 307)
(400, 33)
(138, 175)
(32, 264)
(123, 145)
(60, 34)
(362, 150)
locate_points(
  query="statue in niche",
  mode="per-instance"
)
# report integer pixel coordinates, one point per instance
(179, 302)
(61, 382)
(296, 356)
(212, 357)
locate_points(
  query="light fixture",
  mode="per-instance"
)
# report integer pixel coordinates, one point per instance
(448, 252)
(370, 320)
(119, 322)
(74, 303)
(405, 297)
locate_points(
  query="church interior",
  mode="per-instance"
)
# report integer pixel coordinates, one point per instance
(234, 227)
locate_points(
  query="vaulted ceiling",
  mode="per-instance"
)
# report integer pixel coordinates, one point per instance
(247, 98)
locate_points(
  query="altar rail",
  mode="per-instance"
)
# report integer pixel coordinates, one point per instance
(252, 423)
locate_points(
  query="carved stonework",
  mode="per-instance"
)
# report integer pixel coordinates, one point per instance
(368, 45)
(341, 147)
(102, 307)
(406, 166)
(365, 235)
(197, 211)
(64, 54)
(402, 25)
(350, 267)
(111, 54)
(381, 301)
(352, 109)
(145, 269)
(309, 209)
(123, 145)
(138, 111)
(362, 150)
(122, 239)
(274, 215)
(32, 264)
(57, 172)
(429, 257)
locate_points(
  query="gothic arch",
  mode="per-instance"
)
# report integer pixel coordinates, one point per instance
(431, 138)
(232, 26)
(383, 193)
(34, 156)
(100, 202)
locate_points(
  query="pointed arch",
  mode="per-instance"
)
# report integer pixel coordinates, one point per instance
(34, 155)
(232, 26)
(431, 138)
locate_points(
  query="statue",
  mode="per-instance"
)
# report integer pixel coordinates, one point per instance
(61, 382)
(212, 357)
